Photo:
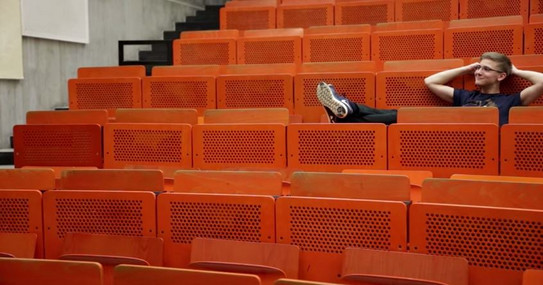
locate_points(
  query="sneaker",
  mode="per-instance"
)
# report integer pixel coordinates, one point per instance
(336, 106)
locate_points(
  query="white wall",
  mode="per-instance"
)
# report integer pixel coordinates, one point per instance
(48, 64)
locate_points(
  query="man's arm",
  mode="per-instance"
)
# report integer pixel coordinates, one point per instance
(436, 82)
(532, 92)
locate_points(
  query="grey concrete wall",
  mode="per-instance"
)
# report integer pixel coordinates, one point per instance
(49, 64)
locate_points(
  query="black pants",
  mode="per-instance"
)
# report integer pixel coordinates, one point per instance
(364, 114)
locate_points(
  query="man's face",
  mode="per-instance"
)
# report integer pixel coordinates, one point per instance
(488, 73)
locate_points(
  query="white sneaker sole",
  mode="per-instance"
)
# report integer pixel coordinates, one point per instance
(325, 96)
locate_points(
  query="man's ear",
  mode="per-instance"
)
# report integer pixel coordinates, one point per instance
(502, 76)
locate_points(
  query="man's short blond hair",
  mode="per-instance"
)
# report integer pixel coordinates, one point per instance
(504, 63)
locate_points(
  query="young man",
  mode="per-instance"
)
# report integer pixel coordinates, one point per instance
(492, 68)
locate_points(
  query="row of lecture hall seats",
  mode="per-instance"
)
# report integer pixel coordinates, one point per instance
(443, 140)
(270, 14)
(385, 42)
(331, 227)
(291, 86)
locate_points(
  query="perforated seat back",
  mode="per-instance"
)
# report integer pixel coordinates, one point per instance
(521, 148)
(364, 12)
(417, 10)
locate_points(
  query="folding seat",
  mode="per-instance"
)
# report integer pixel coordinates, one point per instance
(354, 80)
(205, 47)
(286, 281)
(270, 261)
(455, 141)
(389, 267)
(256, 86)
(27, 178)
(99, 117)
(229, 182)
(352, 12)
(337, 43)
(532, 277)
(418, 10)
(106, 88)
(533, 33)
(472, 37)
(254, 115)
(514, 84)
(401, 83)
(181, 87)
(165, 146)
(113, 179)
(334, 147)
(185, 216)
(350, 186)
(20, 271)
(407, 41)
(270, 46)
(305, 13)
(324, 227)
(500, 243)
(248, 15)
(157, 115)
(21, 228)
(470, 9)
(416, 178)
(144, 275)
(239, 146)
(521, 143)
(497, 178)
(536, 7)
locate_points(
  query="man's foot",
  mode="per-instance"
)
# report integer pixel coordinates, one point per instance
(334, 104)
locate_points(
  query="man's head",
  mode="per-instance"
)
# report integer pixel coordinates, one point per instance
(503, 63)
(492, 69)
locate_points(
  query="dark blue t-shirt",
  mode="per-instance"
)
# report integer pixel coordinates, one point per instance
(503, 102)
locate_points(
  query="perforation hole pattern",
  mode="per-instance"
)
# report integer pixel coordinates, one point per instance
(538, 41)
(410, 91)
(176, 94)
(351, 15)
(426, 10)
(104, 95)
(354, 89)
(99, 216)
(496, 8)
(337, 49)
(14, 215)
(58, 147)
(408, 47)
(331, 230)
(445, 149)
(336, 147)
(257, 93)
(508, 244)
(247, 20)
(515, 84)
(538, 6)
(148, 145)
(473, 44)
(204, 53)
(264, 52)
(240, 147)
(529, 151)
(304, 18)
(215, 220)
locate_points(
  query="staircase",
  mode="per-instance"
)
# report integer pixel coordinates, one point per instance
(161, 50)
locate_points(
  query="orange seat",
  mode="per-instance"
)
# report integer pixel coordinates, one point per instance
(113, 179)
(111, 71)
(145, 275)
(99, 117)
(205, 47)
(532, 34)
(245, 15)
(526, 115)
(20, 245)
(480, 115)
(497, 178)
(521, 149)
(305, 13)
(470, 9)
(354, 80)
(334, 147)
(499, 243)
(20, 271)
(504, 194)
(254, 115)
(418, 10)
(350, 186)
(270, 261)
(157, 115)
(320, 43)
(27, 178)
(58, 145)
(536, 7)
(389, 267)
(532, 277)
(185, 216)
(324, 227)
(349, 12)
(229, 182)
(472, 37)
(270, 46)
(286, 281)
(401, 83)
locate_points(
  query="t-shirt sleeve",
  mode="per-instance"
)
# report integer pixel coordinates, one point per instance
(460, 97)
